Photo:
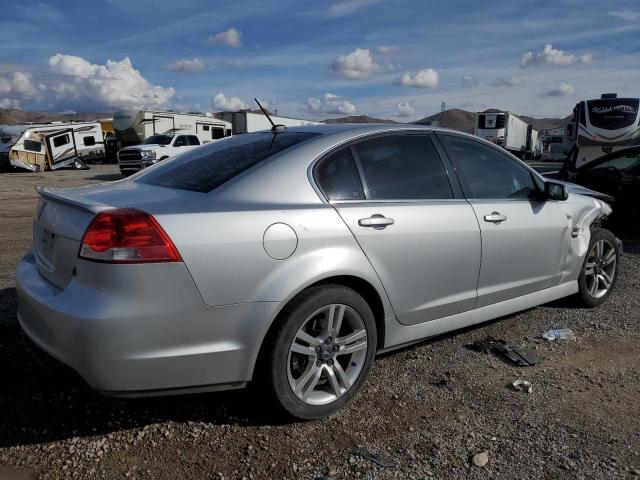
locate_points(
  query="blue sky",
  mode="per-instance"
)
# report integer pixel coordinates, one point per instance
(392, 59)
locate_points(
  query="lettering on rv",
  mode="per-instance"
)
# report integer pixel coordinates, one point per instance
(619, 108)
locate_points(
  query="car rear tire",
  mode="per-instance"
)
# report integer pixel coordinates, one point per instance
(600, 268)
(320, 351)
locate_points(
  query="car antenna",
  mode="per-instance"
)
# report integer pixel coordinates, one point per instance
(275, 129)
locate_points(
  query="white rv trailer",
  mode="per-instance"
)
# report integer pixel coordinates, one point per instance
(49, 146)
(508, 131)
(246, 122)
(133, 127)
(604, 125)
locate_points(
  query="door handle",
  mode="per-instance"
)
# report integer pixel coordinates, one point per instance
(376, 221)
(495, 217)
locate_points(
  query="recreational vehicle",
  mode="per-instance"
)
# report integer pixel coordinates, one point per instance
(244, 122)
(133, 127)
(508, 131)
(49, 146)
(604, 125)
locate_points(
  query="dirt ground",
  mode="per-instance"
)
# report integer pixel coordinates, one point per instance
(429, 408)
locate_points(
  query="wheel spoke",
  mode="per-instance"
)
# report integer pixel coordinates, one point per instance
(342, 376)
(333, 381)
(589, 268)
(334, 320)
(611, 256)
(594, 286)
(303, 349)
(306, 338)
(599, 248)
(606, 280)
(310, 387)
(352, 343)
(305, 379)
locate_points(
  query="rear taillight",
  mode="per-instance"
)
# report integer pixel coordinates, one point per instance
(127, 236)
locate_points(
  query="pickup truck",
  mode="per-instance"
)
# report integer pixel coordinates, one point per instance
(153, 150)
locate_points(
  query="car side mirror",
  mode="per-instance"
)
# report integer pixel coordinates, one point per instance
(555, 191)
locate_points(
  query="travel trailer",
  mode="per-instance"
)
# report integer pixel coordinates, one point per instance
(508, 131)
(133, 127)
(602, 126)
(245, 122)
(49, 146)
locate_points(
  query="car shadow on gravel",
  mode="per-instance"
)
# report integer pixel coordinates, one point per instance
(40, 406)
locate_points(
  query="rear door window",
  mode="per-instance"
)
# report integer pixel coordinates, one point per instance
(204, 169)
(193, 140)
(402, 167)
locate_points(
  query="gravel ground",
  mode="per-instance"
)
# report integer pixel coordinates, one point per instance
(429, 408)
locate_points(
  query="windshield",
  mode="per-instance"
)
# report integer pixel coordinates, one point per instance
(622, 163)
(208, 167)
(556, 140)
(158, 140)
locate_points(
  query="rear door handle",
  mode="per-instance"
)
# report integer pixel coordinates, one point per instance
(495, 217)
(376, 221)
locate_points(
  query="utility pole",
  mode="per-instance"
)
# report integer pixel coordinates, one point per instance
(443, 107)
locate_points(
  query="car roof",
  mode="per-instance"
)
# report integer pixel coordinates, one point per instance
(328, 128)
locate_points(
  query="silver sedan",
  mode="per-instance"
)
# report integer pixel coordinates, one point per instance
(291, 258)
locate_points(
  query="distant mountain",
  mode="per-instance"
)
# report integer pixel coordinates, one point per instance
(8, 116)
(455, 118)
(465, 121)
(358, 119)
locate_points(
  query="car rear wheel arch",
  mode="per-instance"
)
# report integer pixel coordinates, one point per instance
(367, 291)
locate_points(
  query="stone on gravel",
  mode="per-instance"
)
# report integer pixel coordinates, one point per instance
(481, 459)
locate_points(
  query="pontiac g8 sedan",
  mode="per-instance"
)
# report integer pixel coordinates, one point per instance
(290, 258)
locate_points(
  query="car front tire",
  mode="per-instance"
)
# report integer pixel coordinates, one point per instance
(321, 351)
(600, 268)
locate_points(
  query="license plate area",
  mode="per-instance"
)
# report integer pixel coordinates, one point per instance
(46, 247)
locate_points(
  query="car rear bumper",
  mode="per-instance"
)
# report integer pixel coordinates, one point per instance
(141, 331)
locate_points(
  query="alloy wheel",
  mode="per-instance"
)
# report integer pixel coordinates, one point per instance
(327, 354)
(600, 268)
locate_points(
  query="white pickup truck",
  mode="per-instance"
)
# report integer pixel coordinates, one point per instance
(154, 149)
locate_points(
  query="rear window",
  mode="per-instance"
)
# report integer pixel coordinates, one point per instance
(206, 168)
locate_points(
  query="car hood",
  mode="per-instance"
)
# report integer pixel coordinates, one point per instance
(580, 190)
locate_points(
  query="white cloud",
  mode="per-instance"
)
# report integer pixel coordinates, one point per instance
(469, 81)
(345, 7)
(330, 104)
(185, 65)
(19, 84)
(387, 49)
(560, 90)
(357, 65)
(509, 81)
(230, 37)
(405, 109)
(9, 103)
(629, 15)
(425, 78)
(552, 56)
(231, 104)
(84, 85)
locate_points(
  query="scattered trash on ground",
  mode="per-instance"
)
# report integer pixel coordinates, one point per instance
(480, 459)
(559, 334)
(520, 356)
(442, 381)
(522, 386)
(375, 458)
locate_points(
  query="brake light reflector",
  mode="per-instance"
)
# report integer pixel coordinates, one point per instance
(127, 236)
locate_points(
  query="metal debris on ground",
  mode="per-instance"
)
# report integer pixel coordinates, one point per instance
(522, 386)
(375, 458)
(520, 356)
(559, 334)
